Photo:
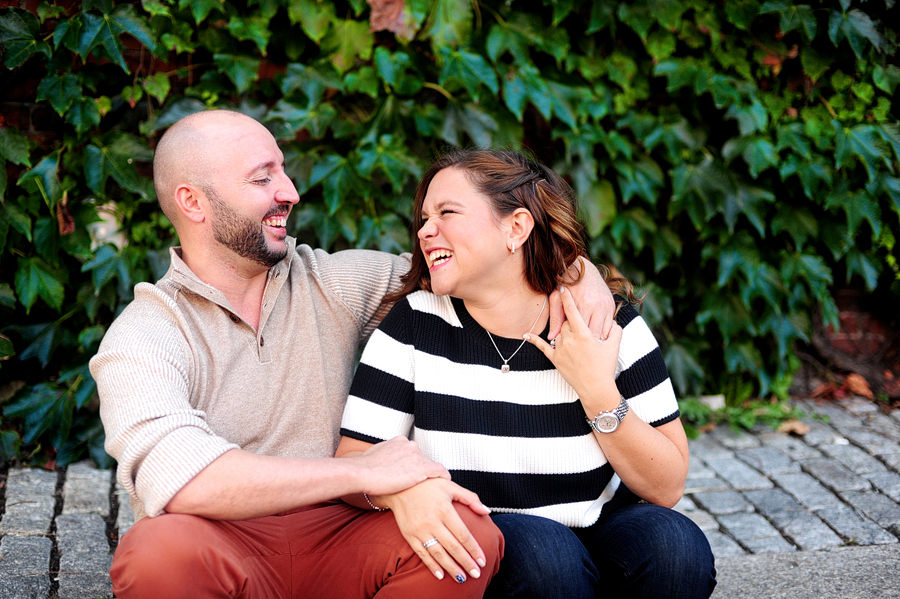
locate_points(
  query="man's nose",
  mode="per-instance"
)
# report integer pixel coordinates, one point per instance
(287, 191)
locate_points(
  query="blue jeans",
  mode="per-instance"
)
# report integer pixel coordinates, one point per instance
(639, 550)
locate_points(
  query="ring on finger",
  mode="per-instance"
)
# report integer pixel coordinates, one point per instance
(430, 543)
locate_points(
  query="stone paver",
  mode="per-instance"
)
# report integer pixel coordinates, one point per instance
(768, 460)
(805, 489)
(738, 474)
(722, 545)
(86, 490)
(821, 434)
(871, 441)
(84, 556)
(854, 459)
(891, 460)
(853, 527)
(698, 485)
(792, 447)
(708, 448)
(755, 533)
(30, 501)
(806, 530)
(770, 502)
(883, 510)
(834, 476)
(703, 519)
(722, 502)
(25, 567)
(886, 482)
(125, 517)
(883, 425)
(733, 439)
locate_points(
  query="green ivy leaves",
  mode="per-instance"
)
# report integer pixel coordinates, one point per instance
(738, 160)
(19, 35)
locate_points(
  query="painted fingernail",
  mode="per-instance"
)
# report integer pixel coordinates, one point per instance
(481, 562)
(439, 575)
(460, 578)
(474, 572)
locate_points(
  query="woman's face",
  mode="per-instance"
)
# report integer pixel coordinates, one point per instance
(464, 243)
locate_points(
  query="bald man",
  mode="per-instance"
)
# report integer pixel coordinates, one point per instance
(222, 388)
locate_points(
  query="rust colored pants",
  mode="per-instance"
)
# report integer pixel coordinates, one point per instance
(328, 551)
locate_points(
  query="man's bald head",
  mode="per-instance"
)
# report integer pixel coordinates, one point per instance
(187, 150)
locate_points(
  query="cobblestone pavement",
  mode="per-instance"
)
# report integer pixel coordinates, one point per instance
(761, 492)
(58, 531)
(770, 492)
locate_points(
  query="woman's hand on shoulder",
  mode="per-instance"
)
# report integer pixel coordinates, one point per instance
(597, 306)
(584, 360)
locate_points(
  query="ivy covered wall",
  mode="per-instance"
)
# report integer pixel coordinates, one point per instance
(737, 159)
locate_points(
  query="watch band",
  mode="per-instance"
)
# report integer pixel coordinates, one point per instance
(609, 421)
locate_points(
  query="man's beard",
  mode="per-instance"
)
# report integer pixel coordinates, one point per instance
(242, 236)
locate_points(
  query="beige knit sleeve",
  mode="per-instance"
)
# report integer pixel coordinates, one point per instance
(361, 279)
(142, 372)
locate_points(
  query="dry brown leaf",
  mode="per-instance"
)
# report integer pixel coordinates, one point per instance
(64, 216)
(825, 390)
(793, 427)
(708, 427)
(388, 15)
(856, 384)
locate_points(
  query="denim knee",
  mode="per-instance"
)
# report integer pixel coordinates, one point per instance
(651, 552)
(543, 559)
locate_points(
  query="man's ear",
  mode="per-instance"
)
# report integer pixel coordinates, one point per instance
(521, 224)
(190, 201)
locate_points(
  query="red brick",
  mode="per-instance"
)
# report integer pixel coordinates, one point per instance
(16, 115)
(21, 89)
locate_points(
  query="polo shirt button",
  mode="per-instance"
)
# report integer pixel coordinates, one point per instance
(234, 318)
(262, 341)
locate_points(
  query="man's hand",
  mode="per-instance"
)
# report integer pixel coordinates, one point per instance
(426, 512)
(595, 301)
(395, 465)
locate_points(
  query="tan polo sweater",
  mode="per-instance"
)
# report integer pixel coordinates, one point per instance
(183, 379)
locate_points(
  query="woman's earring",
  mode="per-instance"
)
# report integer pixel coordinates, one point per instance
(513, 249)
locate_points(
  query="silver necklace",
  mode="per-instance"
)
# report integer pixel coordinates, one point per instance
(505, 368)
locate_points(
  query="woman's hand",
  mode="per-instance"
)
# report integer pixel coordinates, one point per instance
(598, 308)
(587, 363)
(426, 512)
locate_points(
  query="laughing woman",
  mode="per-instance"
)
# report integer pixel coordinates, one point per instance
(576, 445)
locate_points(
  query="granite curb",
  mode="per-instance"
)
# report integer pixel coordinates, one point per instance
(813, 516)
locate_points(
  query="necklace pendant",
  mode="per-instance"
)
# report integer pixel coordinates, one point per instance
(505, 368)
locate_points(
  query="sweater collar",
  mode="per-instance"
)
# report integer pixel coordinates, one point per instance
(181, 274)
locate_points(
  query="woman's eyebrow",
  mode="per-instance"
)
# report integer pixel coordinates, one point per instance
(441, 204)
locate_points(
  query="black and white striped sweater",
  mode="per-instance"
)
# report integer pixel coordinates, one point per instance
(518, 439)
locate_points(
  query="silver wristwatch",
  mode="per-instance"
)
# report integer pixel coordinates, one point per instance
(607, 422)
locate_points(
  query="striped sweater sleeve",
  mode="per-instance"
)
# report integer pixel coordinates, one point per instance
(642, 377)
(382, 396)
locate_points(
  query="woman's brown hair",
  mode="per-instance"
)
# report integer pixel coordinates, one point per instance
(511, 180)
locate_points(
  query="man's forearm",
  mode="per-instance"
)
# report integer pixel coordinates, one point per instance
(240, 485)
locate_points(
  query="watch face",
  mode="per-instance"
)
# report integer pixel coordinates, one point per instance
(607, 423)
